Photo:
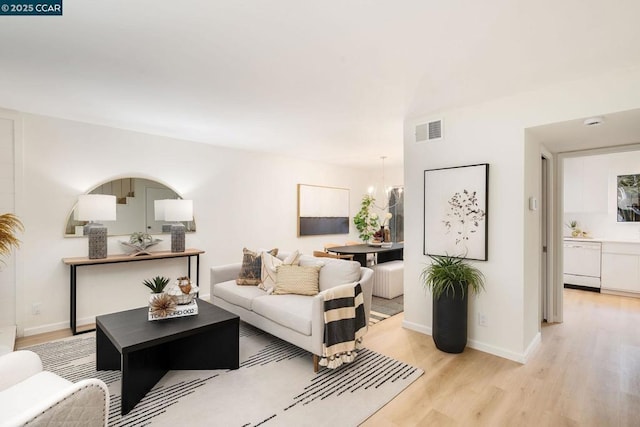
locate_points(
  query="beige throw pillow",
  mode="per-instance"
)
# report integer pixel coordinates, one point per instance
(269, 265)
(293, 279)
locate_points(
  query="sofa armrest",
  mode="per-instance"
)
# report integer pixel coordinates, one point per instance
(366, 282)
(317, 323)
(317, 309)
(18, 366)
(224, 273)
(83, 403)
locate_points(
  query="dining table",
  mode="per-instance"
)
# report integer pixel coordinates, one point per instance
(360, 252)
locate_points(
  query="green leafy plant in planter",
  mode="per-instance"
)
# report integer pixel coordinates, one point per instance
(366, 222)
(157, 284)
(450, 279)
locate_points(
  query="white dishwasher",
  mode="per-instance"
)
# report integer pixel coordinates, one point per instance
(582, 263)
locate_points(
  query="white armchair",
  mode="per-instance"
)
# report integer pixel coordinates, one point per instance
(30, 395)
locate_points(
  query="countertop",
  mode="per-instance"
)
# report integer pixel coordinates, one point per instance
(600, 240)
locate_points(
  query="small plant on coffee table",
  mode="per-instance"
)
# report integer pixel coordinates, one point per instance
(156, 284)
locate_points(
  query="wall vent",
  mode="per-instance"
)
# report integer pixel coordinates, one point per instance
(431, 131)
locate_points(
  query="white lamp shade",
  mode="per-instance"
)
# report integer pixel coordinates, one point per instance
(158, 209)
(96, 207)
(178, 210)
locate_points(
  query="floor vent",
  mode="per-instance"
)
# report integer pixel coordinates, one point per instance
(431, 131)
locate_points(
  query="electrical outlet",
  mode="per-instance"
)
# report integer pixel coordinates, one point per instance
(35, 308)
(482, 319)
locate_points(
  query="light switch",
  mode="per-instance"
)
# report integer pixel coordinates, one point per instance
(533, 204)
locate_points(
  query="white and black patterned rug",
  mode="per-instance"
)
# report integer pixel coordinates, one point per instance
(382, 308)
(275, 386)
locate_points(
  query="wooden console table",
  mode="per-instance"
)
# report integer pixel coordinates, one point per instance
(76, 262)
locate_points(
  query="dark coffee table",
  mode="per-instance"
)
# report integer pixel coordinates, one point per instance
(145, 350)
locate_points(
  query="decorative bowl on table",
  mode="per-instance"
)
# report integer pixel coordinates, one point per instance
(182, 290)
(139, 242)
(375, 244)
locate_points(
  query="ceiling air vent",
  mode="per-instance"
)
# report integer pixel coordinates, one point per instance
(431, 131)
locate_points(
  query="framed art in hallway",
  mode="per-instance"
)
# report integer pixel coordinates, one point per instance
(456, 202)
(322, 210)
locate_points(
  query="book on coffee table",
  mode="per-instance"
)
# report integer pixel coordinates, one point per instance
(182, 310)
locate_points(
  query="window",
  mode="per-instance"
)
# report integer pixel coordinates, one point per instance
(396, 207)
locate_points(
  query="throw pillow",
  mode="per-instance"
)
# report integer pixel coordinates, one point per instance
(293, 279)
(268, 273)
(269, 265)
(293, 258)
(251, 266)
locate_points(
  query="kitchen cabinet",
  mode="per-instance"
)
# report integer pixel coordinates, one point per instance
(621, 267)
(585, 185)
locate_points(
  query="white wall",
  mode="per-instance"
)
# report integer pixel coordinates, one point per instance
(494, 132)
(590, 193)
(7, 205)
(240, 198)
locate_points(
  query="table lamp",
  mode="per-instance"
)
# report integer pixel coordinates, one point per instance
(175, 210)
(96, 207)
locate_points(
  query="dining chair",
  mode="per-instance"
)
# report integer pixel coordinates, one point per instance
(322, 254)
(331, 245)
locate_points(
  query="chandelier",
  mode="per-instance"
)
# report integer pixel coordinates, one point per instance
(386, 191)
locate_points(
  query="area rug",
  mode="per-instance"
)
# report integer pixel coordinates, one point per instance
(382, 308)
(275, 386)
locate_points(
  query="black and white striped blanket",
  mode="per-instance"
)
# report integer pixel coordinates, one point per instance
(344, 324)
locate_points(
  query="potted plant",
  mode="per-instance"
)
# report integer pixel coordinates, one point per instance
(9, 226)
(450, 279)
(366, 222)
(160, 304)
(157, 284)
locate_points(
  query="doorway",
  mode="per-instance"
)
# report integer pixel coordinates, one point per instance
(547, 300)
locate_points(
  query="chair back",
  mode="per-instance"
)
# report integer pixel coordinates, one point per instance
(322, 254)
(331, 245)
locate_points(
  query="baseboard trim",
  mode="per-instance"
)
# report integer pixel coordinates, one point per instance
(532, 347)
(477, 345)
(496, 351)
(416, 327)
(52, 327)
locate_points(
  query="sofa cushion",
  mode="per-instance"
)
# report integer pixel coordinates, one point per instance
(334, 271)
(308, 260)
(251, 266)
(238, 295)
(294, 279)
(291, 311)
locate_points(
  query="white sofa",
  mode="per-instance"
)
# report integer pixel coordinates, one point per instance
(29, 395)
(297, 319)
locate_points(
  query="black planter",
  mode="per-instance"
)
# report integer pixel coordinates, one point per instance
(450, 322)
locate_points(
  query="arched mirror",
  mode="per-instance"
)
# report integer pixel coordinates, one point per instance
(134, 210)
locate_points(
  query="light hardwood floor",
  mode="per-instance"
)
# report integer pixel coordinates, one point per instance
(586, 372)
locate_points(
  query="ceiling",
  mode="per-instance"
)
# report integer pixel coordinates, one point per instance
(617, 129)
(288, 76)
